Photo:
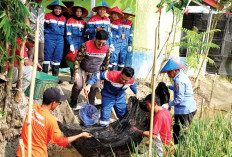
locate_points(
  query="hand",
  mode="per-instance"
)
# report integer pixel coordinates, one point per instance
(98, 29)
(85, 135)
(112, 48)
(76, 78)
(72, 48)
(165, 106)
(129, 48)
(39, 67)
(137, 96)
(87, 88)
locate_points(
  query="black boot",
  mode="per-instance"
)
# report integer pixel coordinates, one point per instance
(73, 103)
(55, 72)
(72, 76)
(45, 68)
(120, 68)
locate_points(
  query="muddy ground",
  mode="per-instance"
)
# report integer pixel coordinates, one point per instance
(10, 132)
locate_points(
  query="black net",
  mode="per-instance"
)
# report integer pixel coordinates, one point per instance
(117, 138)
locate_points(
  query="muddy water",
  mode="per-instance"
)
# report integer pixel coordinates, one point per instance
(72, 152)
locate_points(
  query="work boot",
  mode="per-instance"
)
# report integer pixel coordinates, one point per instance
(120, 68)
(73, 103)
(45, 68)
(55, 72)
(72, 77)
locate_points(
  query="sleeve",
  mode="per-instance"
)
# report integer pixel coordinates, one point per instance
(156, 125)
(119, 32)
(56, 135)
(69, 32)
(105, 62)
(46, 23)
(133, 87)
(96, 77)
(131, 36)
(79, 57)
(90, 28)
(110, 35)
(25, 52)
(32, 18)
(170, 87)
(179, 96)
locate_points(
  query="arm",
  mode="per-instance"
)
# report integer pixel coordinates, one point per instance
(75, 137)
(79, 57)
(90, 28)
(144, 133)
(105, 63)
(69, 32)
(180, 90)
(133, 87)
(46, 23)
(131, 36)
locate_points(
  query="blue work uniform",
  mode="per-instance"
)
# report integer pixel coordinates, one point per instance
(113, 94)
(96, 21)
(54, 41)
(127, 31)
(183, 102)
(116, 30)
(75, 31)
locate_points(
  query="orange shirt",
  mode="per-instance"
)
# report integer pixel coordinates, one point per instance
(44, 129)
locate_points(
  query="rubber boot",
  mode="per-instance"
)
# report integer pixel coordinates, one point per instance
(72, 76)
(55, 72)
(45, 68)
(120, 68)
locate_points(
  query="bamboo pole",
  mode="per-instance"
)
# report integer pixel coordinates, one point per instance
(153, 94)
(22, 148)
(32, 87)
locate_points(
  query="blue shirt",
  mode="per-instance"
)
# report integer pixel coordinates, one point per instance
(183, 102)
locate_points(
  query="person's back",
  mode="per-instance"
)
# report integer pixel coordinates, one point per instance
(162, 126)
(44, 129)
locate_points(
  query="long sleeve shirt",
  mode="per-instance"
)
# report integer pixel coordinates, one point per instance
(183, 102)
(113, 87)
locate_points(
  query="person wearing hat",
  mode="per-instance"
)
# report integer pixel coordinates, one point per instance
(37, 10)
(126, 38)
(91, 57)
(116, 30)
(113, 92)
(100, 22)
(184, 103)
(54, 27)
(75, 30)
(45, 127)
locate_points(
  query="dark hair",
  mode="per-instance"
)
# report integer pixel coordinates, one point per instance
(163, 93)
(157, 99)
(128, 71)
(101, 35)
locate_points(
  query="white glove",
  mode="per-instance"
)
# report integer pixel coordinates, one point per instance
(165, 106)
(72, 48)
(112, 48)
(129, 48)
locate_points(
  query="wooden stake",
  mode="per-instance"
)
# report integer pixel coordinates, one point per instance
(22, 147)
(153, 94)
(32, 87)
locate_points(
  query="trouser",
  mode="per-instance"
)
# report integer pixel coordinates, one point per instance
(122, 56)
(185, 120)
(114, 57)
(119, 105)
(76, 89)
(27, 73)
(40, 54)
(158, 146)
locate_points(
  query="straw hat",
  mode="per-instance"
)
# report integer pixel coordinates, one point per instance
(116, 10)
(128, 11)
(101, 4)
(171, 65)
(57, 3)
(73, 8)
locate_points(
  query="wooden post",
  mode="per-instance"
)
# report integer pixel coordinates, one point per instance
(202, 104)
(22, 148)
(153, 95)
(32, 87)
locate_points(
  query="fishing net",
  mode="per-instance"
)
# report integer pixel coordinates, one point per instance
(117, 137)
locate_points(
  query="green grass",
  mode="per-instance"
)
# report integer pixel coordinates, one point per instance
(206, 137)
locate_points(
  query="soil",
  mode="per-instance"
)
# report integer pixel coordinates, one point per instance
(10, 131)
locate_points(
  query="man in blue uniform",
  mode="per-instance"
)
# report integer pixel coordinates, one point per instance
(184, 103)
(113, 92)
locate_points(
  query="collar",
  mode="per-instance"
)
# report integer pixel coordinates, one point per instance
(177, 75)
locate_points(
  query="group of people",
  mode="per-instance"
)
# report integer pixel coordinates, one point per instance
(94, 60)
